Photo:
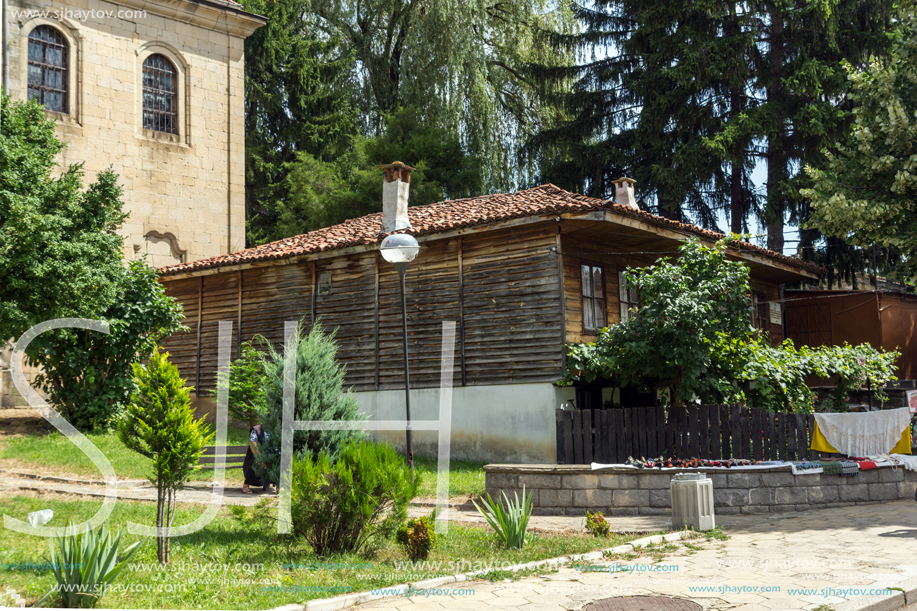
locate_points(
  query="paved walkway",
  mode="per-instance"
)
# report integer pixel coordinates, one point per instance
(836, 555)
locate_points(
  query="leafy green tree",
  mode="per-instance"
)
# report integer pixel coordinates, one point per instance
(60, 254)
(692, 333)
(86, 374)
(686, 304)
(159, 424)
(326, 193)
(319, 391)
(297, 101)
(866, 193)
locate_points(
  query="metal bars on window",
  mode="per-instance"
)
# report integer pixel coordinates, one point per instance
(593, 290)
(160, 95)
(47, 79)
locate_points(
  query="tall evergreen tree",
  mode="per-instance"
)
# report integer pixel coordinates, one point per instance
(865, 191)
(297, 100)
(686, 96)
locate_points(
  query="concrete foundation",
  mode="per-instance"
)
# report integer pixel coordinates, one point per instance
(507, 423)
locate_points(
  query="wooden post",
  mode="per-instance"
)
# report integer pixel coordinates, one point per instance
(563, 313)
(376, 302)
(239, 320)
(200, 303)
(312, 299)
(461, 290)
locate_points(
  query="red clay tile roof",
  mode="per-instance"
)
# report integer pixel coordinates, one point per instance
(454, 214)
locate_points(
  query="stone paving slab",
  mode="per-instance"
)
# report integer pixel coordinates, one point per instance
(832, 557)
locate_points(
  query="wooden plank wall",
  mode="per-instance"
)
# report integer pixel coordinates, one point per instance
(432, 296)
(512, 307)
(350, 308)
(501, 288)
(182, 347)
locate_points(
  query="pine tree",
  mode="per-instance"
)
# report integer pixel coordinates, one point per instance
(686, 96)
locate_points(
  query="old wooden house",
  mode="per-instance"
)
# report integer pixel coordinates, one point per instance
(522, 274)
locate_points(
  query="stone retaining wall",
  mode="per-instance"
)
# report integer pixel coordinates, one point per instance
(572, 489)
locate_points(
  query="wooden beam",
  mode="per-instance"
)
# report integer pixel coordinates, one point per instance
(461, 296)
(563, 308)
(376, 316)
(239, 320)
(200, 304)
(312, 299)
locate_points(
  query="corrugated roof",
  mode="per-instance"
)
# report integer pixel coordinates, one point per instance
(455, 214)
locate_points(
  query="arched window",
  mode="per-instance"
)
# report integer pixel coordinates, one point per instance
(48, 57)
(160, 93)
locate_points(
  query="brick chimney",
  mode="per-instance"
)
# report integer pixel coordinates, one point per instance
(624, 192)
(395, 191)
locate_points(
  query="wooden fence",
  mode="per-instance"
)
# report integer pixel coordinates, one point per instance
(698, 431)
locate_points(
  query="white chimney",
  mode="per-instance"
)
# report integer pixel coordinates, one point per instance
(624, 192)
(395, 192)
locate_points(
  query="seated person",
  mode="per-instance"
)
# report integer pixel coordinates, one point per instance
(255, 437)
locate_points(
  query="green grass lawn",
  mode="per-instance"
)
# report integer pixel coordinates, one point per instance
(52, 452)
(264, 570)
(466, 478)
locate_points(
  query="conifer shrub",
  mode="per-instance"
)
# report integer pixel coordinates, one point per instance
(159, 423)
(351, 503)
(320, 395)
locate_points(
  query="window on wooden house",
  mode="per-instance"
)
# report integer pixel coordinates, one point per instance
(48, 81)
(759, 311)
(160, 95)
(627, 298)
(593, 291)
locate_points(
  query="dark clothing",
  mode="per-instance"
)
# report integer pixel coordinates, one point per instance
(258, 436)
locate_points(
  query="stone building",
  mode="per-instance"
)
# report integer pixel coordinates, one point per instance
(155, 90)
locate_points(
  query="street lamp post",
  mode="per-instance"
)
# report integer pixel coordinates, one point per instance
(400, 249)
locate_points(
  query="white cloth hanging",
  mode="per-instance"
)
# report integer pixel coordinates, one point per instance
(865, 433)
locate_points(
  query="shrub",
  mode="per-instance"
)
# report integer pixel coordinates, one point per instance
(597, 524)
(246, 385)
(510, 523)
(87, 565)
(319, 396)
(159, 424)
(417, 537)
(343, 506)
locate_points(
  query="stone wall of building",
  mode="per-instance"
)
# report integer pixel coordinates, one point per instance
(184, 192)
(572, 489)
